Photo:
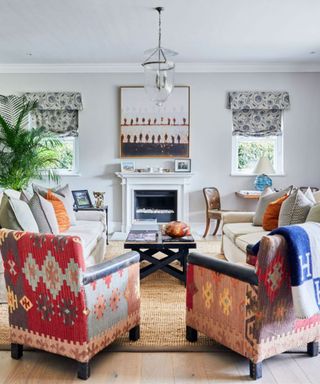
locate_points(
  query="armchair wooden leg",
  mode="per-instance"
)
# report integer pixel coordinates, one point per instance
(255, 370)
(83, 370)
(216, 228)
(191, 334)
(16, 351)
(313, 349)
(207, 227)
(134, 333)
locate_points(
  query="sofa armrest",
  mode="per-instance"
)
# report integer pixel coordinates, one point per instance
(237, 217)
(106, 268)
(91, 216)
(237, 271)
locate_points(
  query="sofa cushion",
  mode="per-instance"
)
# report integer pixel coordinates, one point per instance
(65, 192)
(89, 232)
(44, 214)
(271, 215)
(233, 230)
(58, 203)
(295, 209)
(316, 196)
(251, 238)
(314, 214)
(16, 214)
(265, 199)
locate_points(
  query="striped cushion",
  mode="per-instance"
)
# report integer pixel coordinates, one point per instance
(295, 209)
(60, 210)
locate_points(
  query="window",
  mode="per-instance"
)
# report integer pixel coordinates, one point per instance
(68, 156)
(246, 152)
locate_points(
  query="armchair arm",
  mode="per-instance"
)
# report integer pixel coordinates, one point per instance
(91, 216)
(106, 268)
(237, 217)
(237, 271)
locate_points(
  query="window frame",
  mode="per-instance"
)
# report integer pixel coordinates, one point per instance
(75, 164)
(278, 164)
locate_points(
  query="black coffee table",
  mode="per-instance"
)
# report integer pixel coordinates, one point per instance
(173, 249)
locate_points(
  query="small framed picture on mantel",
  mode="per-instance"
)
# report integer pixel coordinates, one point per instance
(182, 165)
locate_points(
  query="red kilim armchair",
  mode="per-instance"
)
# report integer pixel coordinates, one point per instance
(248, 311)
(57, 305)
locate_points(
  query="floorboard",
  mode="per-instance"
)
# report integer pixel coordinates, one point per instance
(158, 368)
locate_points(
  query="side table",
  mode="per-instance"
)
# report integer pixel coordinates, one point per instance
(104, 208)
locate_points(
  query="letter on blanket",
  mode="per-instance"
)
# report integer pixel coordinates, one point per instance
(305, 267)
(317, 290)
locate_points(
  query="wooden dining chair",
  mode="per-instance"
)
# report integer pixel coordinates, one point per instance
(213, 208)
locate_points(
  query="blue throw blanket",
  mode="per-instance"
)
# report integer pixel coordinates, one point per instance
(303, 241)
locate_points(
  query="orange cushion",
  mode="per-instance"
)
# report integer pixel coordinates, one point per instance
(59, 209)
(271, 215)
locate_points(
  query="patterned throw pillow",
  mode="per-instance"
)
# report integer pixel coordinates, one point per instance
(271, 215)
(60, 210)
(265, 199)
(16, 214)
(63, 191)
(295, 209)
(44, 214)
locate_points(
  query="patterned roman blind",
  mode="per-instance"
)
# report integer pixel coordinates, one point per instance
(57, 111)
(257, 113)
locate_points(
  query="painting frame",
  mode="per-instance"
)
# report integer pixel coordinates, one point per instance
(82, 199)
(171, 144)
(128, 166)
(182, 165)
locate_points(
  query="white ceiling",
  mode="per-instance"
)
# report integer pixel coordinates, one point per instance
(118, 31)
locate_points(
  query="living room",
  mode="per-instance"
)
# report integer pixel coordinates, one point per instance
(91, 61)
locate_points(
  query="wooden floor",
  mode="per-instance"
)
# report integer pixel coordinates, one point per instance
(159, 368)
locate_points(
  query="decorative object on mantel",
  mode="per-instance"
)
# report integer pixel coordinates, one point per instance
(99, 196)
(149, 131)
(262, 169)
(56, 111)
(257, 113)
(177, 229)
(158, 70)
(127, 166)
(182, 165)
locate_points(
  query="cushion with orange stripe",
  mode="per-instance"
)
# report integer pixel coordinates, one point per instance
(60, 210)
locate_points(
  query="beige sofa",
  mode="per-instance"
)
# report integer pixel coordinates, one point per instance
(91, 228)
(237, 232)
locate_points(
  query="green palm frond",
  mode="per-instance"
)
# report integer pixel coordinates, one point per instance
(24, 153)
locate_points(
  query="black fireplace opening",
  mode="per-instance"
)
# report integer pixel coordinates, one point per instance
(155, 204)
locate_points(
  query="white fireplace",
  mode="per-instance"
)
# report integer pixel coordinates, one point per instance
(136, 184)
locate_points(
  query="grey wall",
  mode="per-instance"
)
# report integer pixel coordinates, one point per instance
(210, 130)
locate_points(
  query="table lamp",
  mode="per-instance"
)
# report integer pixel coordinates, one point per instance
(262, 169)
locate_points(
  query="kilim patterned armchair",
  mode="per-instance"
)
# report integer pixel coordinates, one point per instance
(248, 311)
(57, 305)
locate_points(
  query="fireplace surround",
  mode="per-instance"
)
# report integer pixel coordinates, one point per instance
(153, 185)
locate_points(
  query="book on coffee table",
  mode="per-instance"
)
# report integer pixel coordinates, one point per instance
(168, 239)
(142, 236)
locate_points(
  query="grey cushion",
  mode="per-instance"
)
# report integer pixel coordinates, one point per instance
(63, 191)
(266, 198)
(314, 214)
(44, 214)
(295, 209)
(16, 214)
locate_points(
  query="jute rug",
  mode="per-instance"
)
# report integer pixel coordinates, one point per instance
(162, 312)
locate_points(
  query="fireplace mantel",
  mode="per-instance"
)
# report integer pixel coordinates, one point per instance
(131, 181)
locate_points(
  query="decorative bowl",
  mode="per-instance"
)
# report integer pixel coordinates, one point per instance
(177, 229)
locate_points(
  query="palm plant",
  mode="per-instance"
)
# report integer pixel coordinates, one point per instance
(24, 153)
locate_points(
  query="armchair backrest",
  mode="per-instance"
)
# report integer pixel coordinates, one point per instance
(43, 275)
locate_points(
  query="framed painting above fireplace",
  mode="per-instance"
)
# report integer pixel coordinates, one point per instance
(147, 130)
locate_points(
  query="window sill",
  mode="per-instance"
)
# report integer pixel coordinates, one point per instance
(255, 175)
(73, 174)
